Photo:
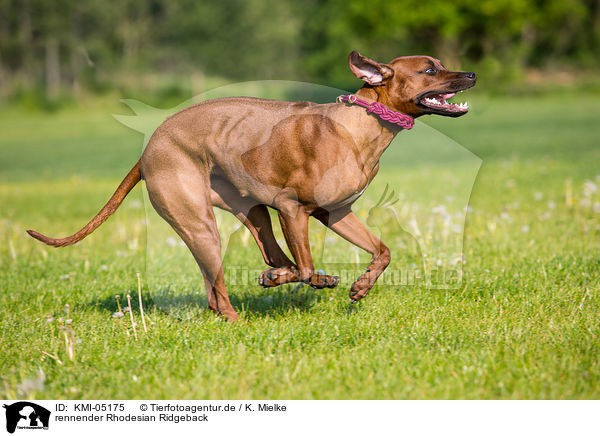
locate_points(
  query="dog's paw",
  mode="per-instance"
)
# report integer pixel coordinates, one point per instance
(320, 281)
(360, 288)
(278, 276)
(231, 316)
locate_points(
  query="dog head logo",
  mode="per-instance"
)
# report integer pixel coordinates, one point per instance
(26, 415)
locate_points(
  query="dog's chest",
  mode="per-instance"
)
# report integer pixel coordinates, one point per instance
(362, 179)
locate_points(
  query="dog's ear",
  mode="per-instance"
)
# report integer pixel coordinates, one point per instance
(369, 70)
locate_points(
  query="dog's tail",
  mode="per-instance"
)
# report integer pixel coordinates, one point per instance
(130, 180)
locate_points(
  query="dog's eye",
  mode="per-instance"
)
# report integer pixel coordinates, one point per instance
(431, 71)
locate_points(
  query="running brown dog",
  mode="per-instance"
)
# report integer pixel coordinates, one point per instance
(302, 159)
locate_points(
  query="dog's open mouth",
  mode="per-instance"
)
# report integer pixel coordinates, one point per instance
(438, 101)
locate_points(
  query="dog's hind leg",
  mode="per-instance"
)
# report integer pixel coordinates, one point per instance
(182, 198)
(254, 216)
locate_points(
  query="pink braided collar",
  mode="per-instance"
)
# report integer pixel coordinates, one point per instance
(404, 121)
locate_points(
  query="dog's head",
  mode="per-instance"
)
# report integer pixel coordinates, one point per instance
(413, 85)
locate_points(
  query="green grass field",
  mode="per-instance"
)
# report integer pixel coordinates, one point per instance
(523, 325)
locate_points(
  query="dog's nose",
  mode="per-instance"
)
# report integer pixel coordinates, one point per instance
(471, 75)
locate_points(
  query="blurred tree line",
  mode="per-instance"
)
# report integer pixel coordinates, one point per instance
(63, 46)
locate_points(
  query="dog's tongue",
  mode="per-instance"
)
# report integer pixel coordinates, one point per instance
(447, 96)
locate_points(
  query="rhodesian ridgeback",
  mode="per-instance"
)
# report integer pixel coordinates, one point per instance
(302, 159)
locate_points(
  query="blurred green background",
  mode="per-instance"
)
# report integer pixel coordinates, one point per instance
(62, 52)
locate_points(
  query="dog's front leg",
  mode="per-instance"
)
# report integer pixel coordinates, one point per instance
(349, 227)
(295, 230)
